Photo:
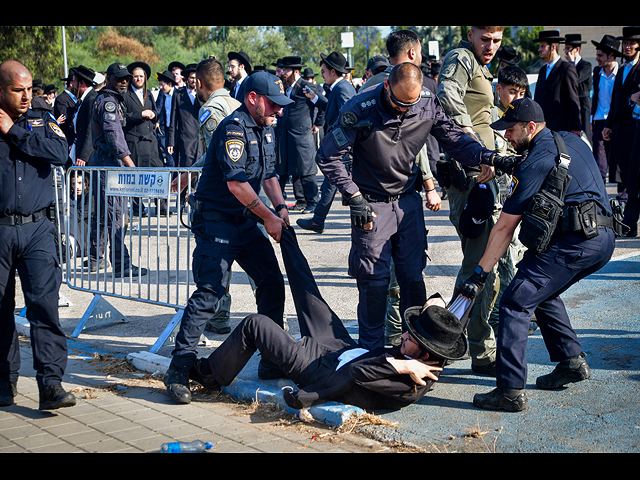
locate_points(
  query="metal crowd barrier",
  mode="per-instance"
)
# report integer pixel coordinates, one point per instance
(94, 200)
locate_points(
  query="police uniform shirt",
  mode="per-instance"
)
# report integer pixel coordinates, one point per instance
(384, 158)
(530, 176)
(106, 126)
(27, 152)
(239, 151)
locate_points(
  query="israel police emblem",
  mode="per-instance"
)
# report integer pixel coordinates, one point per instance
(235, 149)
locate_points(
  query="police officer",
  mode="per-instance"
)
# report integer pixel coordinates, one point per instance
(385, 128)
(240, 161)
(110, 150)
(30, 142)
(583, 243)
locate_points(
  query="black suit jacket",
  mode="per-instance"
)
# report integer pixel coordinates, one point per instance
(341, 94)
(559, 97)
(140, 132)
(84, 140)
(184, 131)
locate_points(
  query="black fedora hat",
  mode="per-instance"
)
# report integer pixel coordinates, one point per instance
(550, 36)
(573, 39)
(292, 62)
(438, 331)
(479, 209)
(336, 61)
(243, 58)
(608, 44)
(630, 33)
(309, 73)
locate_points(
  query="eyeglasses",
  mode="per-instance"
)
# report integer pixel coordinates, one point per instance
(403, 104)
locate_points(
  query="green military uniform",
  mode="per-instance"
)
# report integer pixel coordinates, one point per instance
(218, 107)
(465, 90)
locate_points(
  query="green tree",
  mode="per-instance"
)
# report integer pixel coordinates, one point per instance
(39, 48)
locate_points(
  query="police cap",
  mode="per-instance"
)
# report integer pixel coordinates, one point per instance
(270, 86)
(523, 110)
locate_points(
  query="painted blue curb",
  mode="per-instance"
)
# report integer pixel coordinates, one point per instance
(332, 414)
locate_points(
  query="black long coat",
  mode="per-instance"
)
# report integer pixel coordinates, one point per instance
(140, 132)
(296, 143)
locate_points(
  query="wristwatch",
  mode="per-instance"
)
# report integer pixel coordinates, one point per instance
(279, 208)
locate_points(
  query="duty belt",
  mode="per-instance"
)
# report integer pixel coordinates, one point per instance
(16, 220)
(373, 198)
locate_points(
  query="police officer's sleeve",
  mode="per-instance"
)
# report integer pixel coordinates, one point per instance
(335, 145)
(112, 128)
(52, 147)
(456, 142)
(232, 154)
(452, 88)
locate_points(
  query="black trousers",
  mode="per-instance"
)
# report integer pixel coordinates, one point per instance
(309, 361)
(30, 250)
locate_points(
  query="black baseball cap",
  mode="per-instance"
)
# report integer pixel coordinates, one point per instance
(523, 110)
(263, 83)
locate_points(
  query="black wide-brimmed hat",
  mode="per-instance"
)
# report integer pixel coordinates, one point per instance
(85, 73)
(573, 39)
(336, 61)
(243, 58)
(143, 65)
(608, 44)
(630, 33)
(167, 77)
(292, 62)
(551, 36)
(438, 331)
(508, 55)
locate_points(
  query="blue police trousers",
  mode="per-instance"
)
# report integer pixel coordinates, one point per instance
(537, 287)
(30, 250)
(399, 232)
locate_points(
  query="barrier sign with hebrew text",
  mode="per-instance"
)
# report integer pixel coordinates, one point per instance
(138, 183)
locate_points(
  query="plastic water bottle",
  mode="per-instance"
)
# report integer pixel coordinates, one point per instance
(193, 447)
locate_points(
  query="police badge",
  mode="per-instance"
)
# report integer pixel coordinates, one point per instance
(235, 149)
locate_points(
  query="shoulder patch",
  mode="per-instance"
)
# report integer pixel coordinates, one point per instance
(110, 107)
(340, 138)
(514, 185)
(368, 104)
(57, 130)
(235, 149)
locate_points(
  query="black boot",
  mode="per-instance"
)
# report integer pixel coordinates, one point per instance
(207, 381)
(8, 391)
(54, 397)
(571, 370)
(177, 382)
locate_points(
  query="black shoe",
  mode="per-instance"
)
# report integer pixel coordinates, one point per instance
(177, 382)
(298, 207)
(94, 268)
(8, 392)
(54, 397)
(207, 381)
(130, 272)
(310, 225)
(571, 370)
(512, 401)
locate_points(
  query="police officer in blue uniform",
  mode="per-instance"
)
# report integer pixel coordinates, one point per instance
(30, 143)
(385, 128)
(240, 161)
(110, 150)
(583, 243)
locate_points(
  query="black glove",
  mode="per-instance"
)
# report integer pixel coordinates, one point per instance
(475, 285)
(506, 163)
(361, 211)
